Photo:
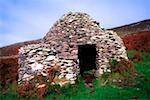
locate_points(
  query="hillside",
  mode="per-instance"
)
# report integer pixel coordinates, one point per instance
(13, 49)
(136, 27)
(136, 35)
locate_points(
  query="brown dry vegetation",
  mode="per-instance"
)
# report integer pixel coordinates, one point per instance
(138, 41)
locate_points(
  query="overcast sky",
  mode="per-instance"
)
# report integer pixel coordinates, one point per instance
(22, 20)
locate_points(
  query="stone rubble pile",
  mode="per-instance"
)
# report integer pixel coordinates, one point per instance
(60, 48)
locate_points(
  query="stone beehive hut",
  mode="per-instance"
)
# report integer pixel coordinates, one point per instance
(73, 44)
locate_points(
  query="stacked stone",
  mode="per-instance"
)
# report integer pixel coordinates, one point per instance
(60, 48)
(109, 47)
(37, 59)
(67, 73)
(69, 31)
(75, 29)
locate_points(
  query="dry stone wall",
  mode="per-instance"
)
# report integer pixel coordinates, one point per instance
(60, 48)
(37, 59)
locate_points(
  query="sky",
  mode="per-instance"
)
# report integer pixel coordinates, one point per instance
(23, 20)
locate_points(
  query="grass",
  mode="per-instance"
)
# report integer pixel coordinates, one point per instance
(136, 89)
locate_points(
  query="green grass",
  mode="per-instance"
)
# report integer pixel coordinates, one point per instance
(136, 89)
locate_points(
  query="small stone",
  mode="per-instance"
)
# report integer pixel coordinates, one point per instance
(69, 69)
(63, 83)
(43, 73)
(46, 49)
(40, 53)
(36, 66)
(25, 76)
(63, 67)
(72, 82)
(73, 79)
(31, 60)
(108, 70)
(32, 51)
(49, 58)
(69, 76)
(41, 86)
(60, 76)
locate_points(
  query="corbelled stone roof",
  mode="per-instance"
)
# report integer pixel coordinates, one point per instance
(73, 26)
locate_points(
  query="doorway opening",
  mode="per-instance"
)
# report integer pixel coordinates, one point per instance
(87, 57)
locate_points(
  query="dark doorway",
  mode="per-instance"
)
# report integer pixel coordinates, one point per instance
(87, 57)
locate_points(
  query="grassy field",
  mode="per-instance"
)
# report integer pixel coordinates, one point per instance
(135, 89)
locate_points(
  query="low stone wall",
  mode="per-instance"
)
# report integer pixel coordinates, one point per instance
(38, 59)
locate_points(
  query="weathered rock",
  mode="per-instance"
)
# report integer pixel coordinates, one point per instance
(49, 58)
